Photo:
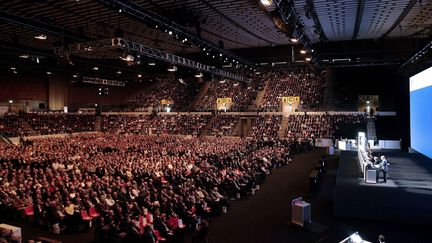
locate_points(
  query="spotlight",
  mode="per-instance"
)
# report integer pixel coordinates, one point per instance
(170, 32)
(75, 76)
(294, 40)
(49, 73)
(119, 72)
(37, 59)
(152, 64)
(13, 68)
(199, 74)
(120, 10)
(172, 68)
(303, 51)
(10, 101)
(41, 37)
(127, 57)
(266, 2)
(308, 59)
(139, 76)
(95, 68)
(24, 56)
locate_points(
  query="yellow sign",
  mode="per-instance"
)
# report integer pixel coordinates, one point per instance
(166, 102)
(225, 100)
(291, 99)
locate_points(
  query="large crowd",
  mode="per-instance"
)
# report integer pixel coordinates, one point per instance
(11, 126)
(132, 187)
(224, 125)
(187, 124)
(242, 95)
(266, 126)
(310, 126)
(180, 93)
(308, 86)
(56, 123)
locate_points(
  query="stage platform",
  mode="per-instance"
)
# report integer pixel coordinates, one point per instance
(406, 197)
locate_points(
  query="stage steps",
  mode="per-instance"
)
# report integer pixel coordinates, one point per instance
(202, 92)
(283, 127)
(371, 131)
(328, 99)
(208, 126)
(256, 105)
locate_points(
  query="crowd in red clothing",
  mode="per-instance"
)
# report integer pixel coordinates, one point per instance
(57, 123)
(190, 124)
(224, 125)
(132, 187)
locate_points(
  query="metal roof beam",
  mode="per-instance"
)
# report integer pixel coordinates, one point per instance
(359, 16)
(148, 16)
(404, 13)
(127, 45)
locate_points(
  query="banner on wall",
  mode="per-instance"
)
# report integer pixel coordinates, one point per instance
(225, 100)
(291, 99)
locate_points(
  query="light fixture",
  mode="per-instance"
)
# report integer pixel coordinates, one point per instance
(152, 64)
(139, 76)
(199, 74)
(127, 57)
(15, 71)
(119, 72)
(172, 68)
(13, 68)
(120, 10)
(41, 37)
(95, 68)
(170, 32)
(266, 2)
(294, 40)
(37, 59)
(10, 101)
(49, 73)
(25, 56)
(308, 59)
(75, 76)
(303, 51)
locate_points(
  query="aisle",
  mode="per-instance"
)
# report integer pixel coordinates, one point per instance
(265, 216)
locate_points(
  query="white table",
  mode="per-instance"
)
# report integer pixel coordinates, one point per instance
(301, 213)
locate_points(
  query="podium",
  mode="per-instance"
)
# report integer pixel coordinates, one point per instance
(371, 176)
(300, 212)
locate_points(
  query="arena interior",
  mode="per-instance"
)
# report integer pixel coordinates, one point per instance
(214, 121)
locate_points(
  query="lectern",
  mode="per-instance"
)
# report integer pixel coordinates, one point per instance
(300, 212)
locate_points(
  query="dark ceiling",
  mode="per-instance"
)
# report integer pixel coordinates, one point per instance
(354, 30)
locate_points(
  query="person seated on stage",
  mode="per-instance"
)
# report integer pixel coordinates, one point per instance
(369, 164)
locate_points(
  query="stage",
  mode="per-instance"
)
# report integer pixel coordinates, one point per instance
(406, 197)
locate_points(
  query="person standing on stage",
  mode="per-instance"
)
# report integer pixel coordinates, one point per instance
(384, 166)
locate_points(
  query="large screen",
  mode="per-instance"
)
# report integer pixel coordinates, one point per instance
(421, 112)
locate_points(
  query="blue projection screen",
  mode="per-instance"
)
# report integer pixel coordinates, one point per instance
(421, 112)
